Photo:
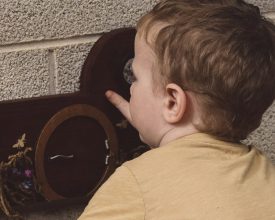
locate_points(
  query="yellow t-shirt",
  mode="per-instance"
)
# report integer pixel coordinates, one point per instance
(196, 177)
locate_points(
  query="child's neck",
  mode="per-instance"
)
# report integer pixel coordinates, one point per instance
(176, 133)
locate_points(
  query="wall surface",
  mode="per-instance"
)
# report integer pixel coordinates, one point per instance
(43, 44)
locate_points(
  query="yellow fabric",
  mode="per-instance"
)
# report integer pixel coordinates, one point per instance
(196, 177)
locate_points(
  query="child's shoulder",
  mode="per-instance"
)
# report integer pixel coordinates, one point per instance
(164, 156)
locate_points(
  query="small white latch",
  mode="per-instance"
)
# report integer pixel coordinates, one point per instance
(107, 159)
(62, 156)
(107, 144)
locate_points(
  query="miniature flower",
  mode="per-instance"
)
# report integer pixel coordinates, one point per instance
(28, 173)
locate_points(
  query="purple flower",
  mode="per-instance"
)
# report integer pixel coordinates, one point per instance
(28, 173)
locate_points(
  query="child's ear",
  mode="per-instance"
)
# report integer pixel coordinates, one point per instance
(174, 103)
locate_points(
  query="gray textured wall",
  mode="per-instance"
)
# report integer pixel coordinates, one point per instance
(43, 44)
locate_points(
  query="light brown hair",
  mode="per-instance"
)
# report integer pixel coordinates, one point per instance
(223, 51)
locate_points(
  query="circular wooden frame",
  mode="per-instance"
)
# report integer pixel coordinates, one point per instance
(61, 116)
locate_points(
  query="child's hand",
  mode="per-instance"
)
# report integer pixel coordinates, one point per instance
(120, 103)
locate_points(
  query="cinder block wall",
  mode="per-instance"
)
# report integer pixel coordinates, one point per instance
(43, 44)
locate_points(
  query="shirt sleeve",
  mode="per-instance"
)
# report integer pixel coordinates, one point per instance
(119, 198)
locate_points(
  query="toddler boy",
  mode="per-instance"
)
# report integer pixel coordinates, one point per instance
(203, 75)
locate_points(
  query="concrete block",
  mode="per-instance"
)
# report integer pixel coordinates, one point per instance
(264, 136)
(32, 20)
(24, 74)
(69, 62)
(264, 5)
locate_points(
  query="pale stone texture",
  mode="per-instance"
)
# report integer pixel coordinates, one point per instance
(50, 19)
(24, 74)
(69, 64)
(264, 5)
(264, 136)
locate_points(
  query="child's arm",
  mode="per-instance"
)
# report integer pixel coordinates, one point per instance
(119, 198)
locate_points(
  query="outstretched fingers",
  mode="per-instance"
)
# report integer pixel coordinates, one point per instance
(120, 103)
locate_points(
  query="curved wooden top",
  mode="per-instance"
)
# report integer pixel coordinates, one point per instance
(103, 68)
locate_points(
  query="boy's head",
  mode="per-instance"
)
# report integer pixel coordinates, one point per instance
(222, 52)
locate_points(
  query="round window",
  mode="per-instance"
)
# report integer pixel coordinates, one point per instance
(76, 151)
